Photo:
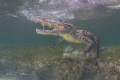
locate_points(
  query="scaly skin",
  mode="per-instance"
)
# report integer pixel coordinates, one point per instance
(68, 32)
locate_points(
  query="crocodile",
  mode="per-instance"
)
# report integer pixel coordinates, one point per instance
(68, 32)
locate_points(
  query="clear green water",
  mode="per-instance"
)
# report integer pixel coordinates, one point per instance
(17, 24)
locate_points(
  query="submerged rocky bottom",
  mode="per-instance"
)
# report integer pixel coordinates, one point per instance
(33, 62)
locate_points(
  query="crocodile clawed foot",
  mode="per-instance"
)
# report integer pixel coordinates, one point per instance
(87, 55)
(51, 47)
(96, 61)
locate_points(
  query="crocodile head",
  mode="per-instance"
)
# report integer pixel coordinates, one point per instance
(59, 26)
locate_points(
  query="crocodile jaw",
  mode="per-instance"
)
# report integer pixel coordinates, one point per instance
(50, 32)
(56, 24)
(65, 36)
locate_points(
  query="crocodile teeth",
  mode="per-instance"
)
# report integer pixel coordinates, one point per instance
(43, 30)
(49, 24)
(38, 29)
(54, 29)
(42, 24)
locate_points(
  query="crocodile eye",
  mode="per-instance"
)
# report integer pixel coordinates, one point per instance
(60, 20)
(68, 25)
(63, 21)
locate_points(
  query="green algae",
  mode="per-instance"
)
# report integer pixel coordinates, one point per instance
(111, 55)
(110, 62)
(42, 61)
(111, 58)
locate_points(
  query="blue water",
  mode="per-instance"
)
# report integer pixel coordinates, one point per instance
(17, 21)
(15, 30)
(18, 25)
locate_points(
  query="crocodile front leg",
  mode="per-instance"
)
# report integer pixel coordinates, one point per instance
(58, 41)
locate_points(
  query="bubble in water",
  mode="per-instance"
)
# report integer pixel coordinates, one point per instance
(53, 9)
(30, 16)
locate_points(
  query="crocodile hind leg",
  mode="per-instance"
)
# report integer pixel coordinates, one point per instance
(88, 49)
(98, 47)
(58, 41)
(90, 46)
(96, 59)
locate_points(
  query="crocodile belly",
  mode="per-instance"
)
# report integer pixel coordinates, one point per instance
(70, 38)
